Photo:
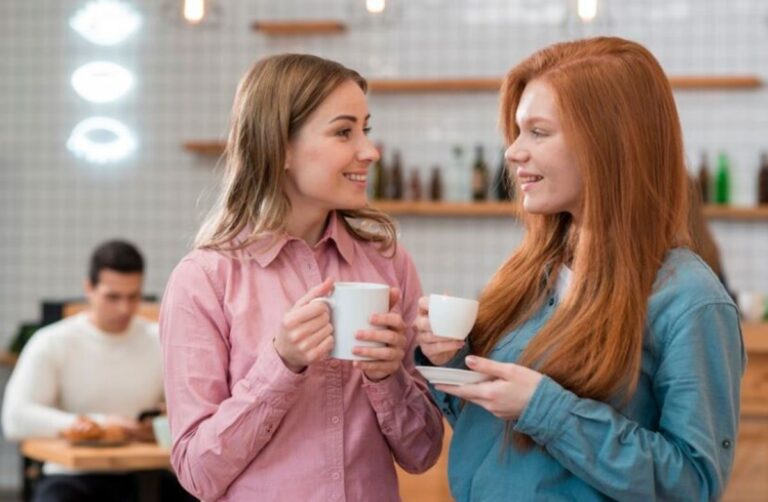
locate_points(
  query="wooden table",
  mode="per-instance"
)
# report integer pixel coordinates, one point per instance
(131, 457)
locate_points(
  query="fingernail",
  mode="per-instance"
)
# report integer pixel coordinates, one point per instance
(470, 360)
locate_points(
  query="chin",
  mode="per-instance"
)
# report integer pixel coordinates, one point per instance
(352, 204)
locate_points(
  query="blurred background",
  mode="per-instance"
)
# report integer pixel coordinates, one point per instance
(113, 114)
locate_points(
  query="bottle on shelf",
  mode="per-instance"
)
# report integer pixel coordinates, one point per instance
(762, 180)
(378, 176)
(396, 182)
(502, 184)
(704, 179)
(457, 187)
(723, 180)
(414, 185)
(435, 184)
(479, 176)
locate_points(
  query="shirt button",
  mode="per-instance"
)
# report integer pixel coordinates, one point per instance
(551, 301)
(336, 476)
(335, 364)
(269, 428)
(726, 443)
(335, 420)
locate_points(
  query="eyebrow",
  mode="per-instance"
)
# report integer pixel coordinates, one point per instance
(351, 118)
(535, 118)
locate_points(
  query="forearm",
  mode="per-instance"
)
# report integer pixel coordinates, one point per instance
(26, 420)
(616, 455)
(212, 450)
(408, 418)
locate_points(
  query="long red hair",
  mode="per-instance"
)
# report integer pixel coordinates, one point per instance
(619, 118)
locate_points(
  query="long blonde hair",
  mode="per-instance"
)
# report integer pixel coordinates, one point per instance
(620, 120)
(273, 100)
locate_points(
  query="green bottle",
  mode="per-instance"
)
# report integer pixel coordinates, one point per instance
(723, 180)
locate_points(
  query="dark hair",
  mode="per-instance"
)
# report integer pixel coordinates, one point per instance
(121, 256)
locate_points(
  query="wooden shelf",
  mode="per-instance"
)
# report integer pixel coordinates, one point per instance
(716, 82)
(715, 212)
(213, 148)
(291, 28)
(455, 209)
(435, 85)
(396, 208)
(493, 84)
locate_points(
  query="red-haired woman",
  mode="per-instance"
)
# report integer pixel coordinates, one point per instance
(616, 352)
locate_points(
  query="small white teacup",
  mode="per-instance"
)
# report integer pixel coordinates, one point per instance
(352, 304)
(452, 317)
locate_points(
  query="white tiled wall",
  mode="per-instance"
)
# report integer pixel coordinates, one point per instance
(54, 208)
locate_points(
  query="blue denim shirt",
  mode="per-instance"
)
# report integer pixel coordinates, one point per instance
(675, 438)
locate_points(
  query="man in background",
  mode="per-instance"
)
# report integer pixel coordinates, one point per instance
(89, 377)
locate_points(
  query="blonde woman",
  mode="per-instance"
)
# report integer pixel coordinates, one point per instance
(615, 352)
(257, 409)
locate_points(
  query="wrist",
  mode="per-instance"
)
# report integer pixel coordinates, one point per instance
(295, 368)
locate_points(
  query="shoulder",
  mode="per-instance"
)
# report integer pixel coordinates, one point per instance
(396, 259)
(200, 267)
(685, 285)
(54, 337)
(686, 281)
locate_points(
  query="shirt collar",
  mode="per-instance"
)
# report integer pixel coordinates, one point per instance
(265, 249)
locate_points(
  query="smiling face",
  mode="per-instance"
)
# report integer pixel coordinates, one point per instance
(327, 161)
(544, 164)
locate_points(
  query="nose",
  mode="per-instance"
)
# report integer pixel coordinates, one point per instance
(368, 151)
(516, 153)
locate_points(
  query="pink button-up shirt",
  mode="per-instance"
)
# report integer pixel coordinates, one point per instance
(247, 428)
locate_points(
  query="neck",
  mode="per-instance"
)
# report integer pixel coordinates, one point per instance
(307, 225)
(91, 316)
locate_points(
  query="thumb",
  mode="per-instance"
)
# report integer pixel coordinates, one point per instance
(322, 289)
(488, 366)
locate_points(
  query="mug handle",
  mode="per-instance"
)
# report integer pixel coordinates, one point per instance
(325, 300)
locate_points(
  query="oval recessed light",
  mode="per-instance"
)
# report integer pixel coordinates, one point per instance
(106, 22)
(101, 140)
(101, 82)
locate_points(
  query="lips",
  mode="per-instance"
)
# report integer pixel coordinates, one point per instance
(529, 179)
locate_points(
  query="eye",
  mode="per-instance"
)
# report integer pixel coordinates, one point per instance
(537, 133)
(344, 133)
(366, 130)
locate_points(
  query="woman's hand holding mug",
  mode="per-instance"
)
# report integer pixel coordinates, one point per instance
(387, 359)
(306, 331)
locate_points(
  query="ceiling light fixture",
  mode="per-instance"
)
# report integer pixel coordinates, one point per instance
(101, 81)
(106, 22)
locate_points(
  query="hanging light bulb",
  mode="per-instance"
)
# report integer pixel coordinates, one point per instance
(194, 11)
(375, 6)
(587, 10)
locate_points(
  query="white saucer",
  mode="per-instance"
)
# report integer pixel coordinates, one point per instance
(451, 376)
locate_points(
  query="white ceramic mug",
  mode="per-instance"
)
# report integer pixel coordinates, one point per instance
(452, 317)
(352, 304)
(162, 431)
